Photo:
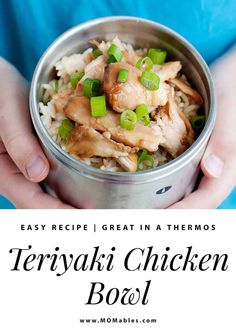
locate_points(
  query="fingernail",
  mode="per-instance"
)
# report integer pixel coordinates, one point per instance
(35, 167)
(214, 165)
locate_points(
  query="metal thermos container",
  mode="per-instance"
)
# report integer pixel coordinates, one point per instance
(81, 185)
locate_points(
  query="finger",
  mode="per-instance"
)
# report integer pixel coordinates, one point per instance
(210, 194)
(220, 155)
(21, 192)
(221, 150)
(15, 125)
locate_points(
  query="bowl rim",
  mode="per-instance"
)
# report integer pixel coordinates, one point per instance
(95, 173)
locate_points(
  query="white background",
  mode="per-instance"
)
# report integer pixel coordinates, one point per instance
(178, 300)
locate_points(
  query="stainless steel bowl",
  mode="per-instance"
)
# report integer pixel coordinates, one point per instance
(81, 185)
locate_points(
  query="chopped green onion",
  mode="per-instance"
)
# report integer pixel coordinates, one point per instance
(114, 51)
(198, 122)
(98, 106)
(111, 59)
(46, 101)
(150, 80)
(122, 76)
(143, 114)
(75, 78)
(145, 62)
(91, 87)
(145, 161)
(96, 52)
(55, 86)
(158, 56)
(65, 128)
(128, 119)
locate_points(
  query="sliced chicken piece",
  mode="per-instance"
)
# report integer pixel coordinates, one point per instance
(62, 98)
(129, 163)
(142, 137)
(130, 56)
(187, 89)
(129, 95)
(95, 69)
(103, 46)
(167, 70)
(176, 129)
(78, 109)
(79, 90)
(118, 43)
(94, 42)
(87, 142)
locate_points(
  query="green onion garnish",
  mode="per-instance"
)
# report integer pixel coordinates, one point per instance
(143, 114)
(65, 128)
(198, 122)
(128, 119)
(111, 59)
(55, 86)
(145, 161)
(158, 56)
(96, 52)
(98, 106)
(122, 76)
(75, 78)
(145, 63)
(46, 101)
(114, 51)
(150, 80)
(91, 87)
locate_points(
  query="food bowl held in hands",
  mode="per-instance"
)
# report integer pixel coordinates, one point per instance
(123, 108)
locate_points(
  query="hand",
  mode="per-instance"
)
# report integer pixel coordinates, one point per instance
(219, 161)
(22, 162)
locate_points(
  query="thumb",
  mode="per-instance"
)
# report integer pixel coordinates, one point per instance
(15, 125)
(213, 162)
(220, 155)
